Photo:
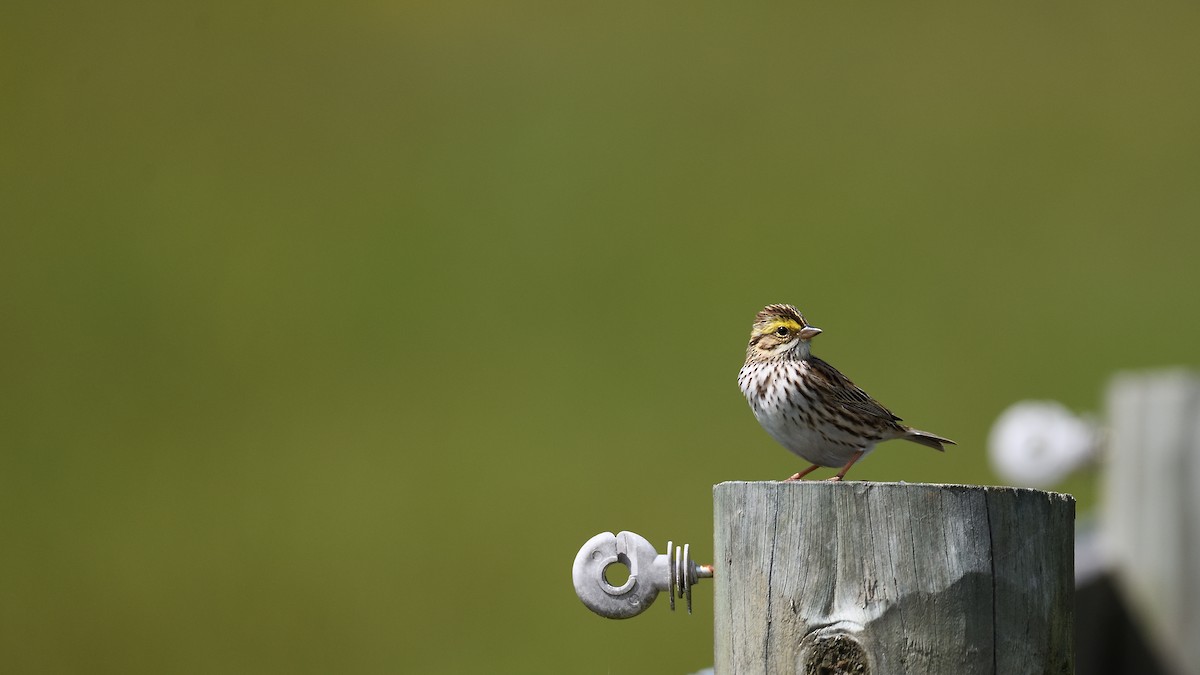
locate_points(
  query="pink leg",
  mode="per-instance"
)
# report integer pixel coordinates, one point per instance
(802, 474)
(842, 473)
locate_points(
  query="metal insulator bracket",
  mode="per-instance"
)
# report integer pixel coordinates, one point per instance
(649, 573)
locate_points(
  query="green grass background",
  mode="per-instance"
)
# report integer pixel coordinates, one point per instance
(330, 331)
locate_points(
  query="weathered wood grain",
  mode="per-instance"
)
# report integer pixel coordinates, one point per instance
(892, 578)
(1151, 507)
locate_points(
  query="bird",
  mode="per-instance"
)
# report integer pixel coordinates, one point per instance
(807, 405)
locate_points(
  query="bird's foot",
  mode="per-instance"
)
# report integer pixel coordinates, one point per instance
(801, 474)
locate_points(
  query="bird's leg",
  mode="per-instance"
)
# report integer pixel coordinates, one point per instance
(802, 474)
(846, 468)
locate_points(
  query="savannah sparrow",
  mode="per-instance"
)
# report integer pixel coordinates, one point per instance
(806, 404)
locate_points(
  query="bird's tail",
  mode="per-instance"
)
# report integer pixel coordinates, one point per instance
(927, 439)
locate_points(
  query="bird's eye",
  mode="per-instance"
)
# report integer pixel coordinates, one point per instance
(782, 331)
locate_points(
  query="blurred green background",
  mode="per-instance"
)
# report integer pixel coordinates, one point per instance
(332, 330)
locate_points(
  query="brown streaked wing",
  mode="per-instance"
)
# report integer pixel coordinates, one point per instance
(839, 388)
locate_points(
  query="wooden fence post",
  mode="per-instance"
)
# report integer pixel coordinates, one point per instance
(1151, 512)
(892, 578)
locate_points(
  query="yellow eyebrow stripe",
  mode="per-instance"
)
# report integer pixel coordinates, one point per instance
(788, 323)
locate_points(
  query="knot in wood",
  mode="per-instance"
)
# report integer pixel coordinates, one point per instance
(824, 653)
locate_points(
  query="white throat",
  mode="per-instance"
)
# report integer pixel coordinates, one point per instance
(801, 348)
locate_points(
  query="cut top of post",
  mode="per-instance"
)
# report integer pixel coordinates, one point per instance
(894, 577)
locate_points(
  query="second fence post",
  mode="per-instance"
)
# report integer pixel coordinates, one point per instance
(892, 578)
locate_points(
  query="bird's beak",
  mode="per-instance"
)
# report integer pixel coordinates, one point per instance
(809, 332)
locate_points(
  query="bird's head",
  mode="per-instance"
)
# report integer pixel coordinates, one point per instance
(780, 330)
